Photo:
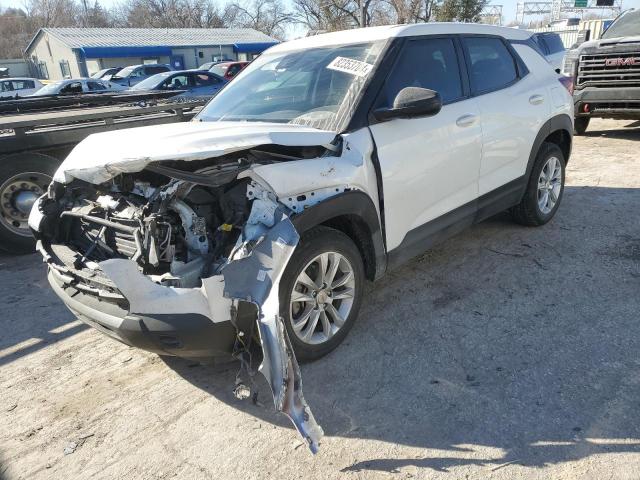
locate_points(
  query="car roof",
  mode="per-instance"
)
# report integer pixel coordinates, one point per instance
(18, 78)
(370, 34)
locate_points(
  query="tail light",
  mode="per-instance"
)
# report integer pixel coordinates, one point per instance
(567, 82)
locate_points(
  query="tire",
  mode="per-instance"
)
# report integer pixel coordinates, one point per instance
(334, 245)
(33, 171)
(529, 211)
(580, 125)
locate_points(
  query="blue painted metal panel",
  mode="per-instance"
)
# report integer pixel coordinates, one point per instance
(252, 47)
(117, 52)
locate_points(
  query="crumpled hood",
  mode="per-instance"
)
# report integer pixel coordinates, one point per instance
(102, 156)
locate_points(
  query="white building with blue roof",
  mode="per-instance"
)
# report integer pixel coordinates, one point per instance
(58, 53)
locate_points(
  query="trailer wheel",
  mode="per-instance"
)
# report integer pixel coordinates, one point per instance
(23, 178)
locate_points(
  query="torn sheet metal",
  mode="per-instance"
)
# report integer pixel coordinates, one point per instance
(147, 297)
(253, 275)
(256, 278)
(102, 156)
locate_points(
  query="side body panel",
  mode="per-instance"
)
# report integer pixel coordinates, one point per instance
(429, 166)
(511, 118)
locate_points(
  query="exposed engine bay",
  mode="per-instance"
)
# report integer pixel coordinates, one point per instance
(186, 238)
(177, 225)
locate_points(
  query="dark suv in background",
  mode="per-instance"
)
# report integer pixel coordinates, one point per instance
(606, 73)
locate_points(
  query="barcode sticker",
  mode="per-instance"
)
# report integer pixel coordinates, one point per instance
(350, 66)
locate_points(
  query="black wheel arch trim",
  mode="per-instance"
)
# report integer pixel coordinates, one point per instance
(560, 123)
(355, 203)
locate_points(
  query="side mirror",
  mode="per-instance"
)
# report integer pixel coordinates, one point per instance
(411, 102)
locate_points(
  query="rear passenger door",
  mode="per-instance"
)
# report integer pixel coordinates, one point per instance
(429, 165)
(513, 106)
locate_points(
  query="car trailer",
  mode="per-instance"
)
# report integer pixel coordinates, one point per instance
(37, 134)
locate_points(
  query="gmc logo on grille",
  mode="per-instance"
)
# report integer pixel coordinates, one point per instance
(616, 62)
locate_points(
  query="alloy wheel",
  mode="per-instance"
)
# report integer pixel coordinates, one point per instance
(549, 185)
(322, 298)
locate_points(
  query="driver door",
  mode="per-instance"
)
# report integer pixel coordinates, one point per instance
(430, 165)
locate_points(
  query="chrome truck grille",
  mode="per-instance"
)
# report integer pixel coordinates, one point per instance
(609, 70)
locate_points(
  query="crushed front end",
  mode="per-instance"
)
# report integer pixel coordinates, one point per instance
(179, 258)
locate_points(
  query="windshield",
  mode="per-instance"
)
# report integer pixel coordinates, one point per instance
(49, 89)
(219, 69)
(151, 82)
(626, 25)
(125, 72)
(99, 73)
(317, 87)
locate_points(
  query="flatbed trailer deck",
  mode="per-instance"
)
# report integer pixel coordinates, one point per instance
(34, 143)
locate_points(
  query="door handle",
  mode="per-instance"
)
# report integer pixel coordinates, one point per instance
(466, 120)
(536, 99)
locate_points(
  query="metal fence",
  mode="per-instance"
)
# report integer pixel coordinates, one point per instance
(569, 35)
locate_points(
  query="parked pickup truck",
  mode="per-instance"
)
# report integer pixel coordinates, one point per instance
(606, 73)
(327, 161)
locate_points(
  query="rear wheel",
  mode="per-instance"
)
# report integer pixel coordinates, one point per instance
(23, 178)
(580, 125)
(321, 292)
(545, 188)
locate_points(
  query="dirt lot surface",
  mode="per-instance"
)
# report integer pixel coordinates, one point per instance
(507, 352)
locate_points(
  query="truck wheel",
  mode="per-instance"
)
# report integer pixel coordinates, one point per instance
(545, 188)
(580, 125)
(321, 292)
(23, 178)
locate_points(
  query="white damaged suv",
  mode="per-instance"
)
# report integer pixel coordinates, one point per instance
(326, 162)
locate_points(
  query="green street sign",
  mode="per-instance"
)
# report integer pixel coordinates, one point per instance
(580, 3)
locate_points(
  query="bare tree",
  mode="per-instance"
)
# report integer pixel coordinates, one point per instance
(53, 13)
(171, 14)
(411, 11)
(331, 15)
(93, 15)
(267, 16)
(16, 29)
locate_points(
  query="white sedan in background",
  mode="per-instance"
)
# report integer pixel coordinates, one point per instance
(78, 85)
(18, 87)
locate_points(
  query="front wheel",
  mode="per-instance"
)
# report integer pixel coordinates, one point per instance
(545, 188)
(321, 292)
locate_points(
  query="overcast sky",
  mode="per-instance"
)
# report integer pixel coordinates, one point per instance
(508, 6)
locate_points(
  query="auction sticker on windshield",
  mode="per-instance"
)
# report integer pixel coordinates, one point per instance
(351, 66)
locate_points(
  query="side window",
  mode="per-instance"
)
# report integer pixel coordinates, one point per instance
(177, 82)
(137, 73)
(233, 70)
(203, 80)
(156, 69)
(6, 86)
(96, 86)
(23, 84)
(70, 88)
(428, 63)
(492, 66)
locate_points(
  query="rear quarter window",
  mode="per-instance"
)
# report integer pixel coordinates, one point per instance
(491, 65)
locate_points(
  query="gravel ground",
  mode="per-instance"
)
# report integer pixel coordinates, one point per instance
(507, 352)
